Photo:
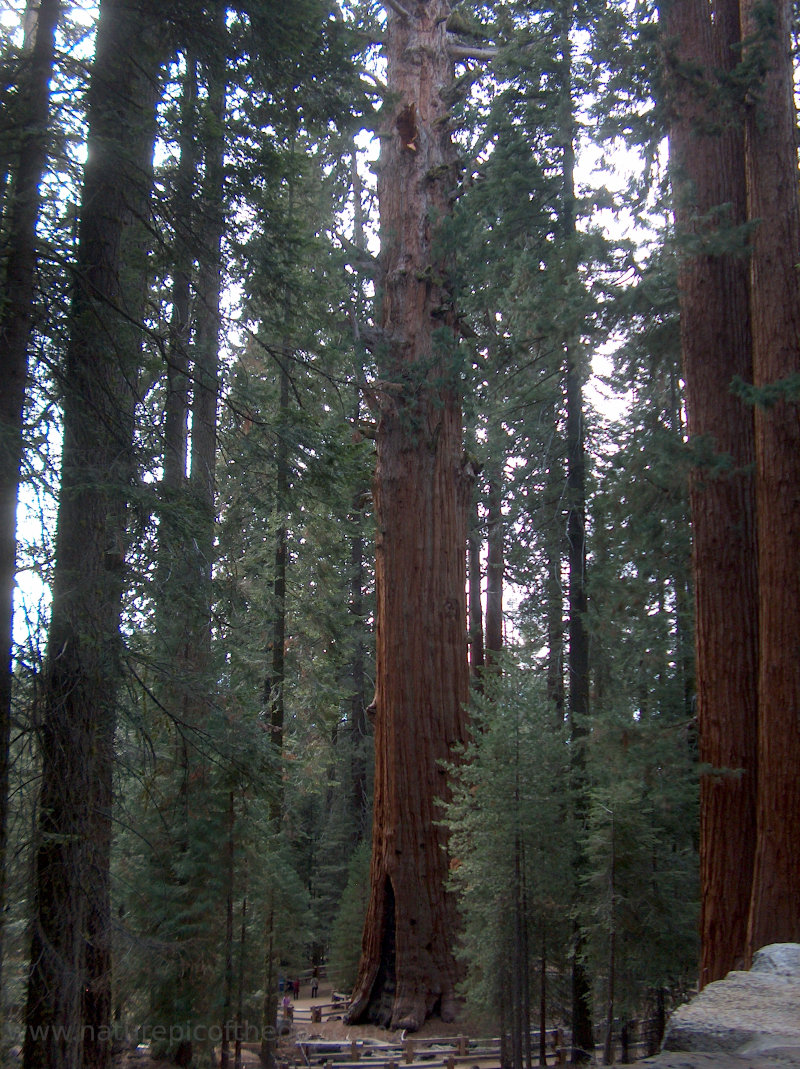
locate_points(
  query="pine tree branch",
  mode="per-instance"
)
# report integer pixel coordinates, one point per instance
(377, 84)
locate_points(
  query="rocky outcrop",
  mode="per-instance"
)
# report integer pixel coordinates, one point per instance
(746, 1021)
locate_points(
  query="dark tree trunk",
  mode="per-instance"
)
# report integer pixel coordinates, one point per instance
(171, 529)
(358, 702)
(772, 195)
(578, 657)
(16, 317)
(526, 959)
(274, 684)
(205, 396)
(709, 189)
(358, 699)
(608, 1042)
(273, 690)
(543, 1002)
(553, 533)
(227, 986)
(408, 970)
(476, 646)
(69, 980)
(195, 681)
(495, 566)
(237, 1049)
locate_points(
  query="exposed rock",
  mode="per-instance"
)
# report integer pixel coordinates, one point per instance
(746, 1021)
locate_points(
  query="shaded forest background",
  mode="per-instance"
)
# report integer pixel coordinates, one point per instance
(192, 381)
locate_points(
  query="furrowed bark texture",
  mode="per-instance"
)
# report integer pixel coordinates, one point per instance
(69, 978)
(772, 184)
(421, 495)
(709, 188)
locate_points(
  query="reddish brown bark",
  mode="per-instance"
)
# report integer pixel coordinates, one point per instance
(421, 493)
(772, 183)
(708, 173)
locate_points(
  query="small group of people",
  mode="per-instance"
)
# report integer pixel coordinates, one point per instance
(292, 988)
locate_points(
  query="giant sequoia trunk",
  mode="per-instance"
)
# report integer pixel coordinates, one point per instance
(771, 162)
(709, 190)
(69, 980)
(421, 493)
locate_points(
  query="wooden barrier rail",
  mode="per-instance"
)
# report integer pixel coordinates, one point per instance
(432, 1052)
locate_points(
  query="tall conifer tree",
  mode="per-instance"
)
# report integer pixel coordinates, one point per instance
(18, 276)
(421, 492)
(773, 208)
(69, 981)
(707, 164)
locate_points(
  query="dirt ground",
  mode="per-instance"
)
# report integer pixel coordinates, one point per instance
(333, 1029)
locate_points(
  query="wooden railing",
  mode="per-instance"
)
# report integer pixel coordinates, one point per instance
(430, 1052)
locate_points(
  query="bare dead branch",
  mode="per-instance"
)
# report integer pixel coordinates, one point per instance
(458, 51)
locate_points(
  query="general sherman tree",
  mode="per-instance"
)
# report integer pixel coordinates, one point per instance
(421, 493)
(708, 179)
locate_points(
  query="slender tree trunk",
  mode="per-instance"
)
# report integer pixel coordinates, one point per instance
(205, 397)
(358, 703)
(177, 589)
(274, 685)
(197, 682)
(227, 989)
(709, 189)
(358, 700)
(269, 1014)
(553, 534)
(502, 1016)
(608, 1044)
(543, 1002)
(69, 980)
(526, 959)
(408, 969)
(515, 991)
(237, 1060)
(16, 316)
(477, 649)
(476, 646)
(183, 214)
(495, 565)
(273, 691)
(625, 1042)
(578, 658)
(772, 185)
(660, 1021)
(176, 409)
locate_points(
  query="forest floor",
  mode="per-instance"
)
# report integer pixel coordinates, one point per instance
(333, 1029)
